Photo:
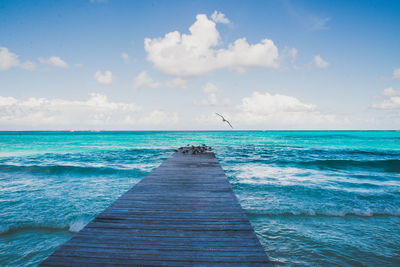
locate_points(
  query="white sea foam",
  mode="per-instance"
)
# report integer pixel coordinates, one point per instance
(287, 176)
(267, 174)
(76, 226)
(339, 212)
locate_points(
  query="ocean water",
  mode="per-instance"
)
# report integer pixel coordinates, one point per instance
(313, 197)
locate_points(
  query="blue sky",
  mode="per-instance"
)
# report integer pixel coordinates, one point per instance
(263, 64)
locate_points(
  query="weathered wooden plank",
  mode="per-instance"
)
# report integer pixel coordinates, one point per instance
(162, 223)
(90, 261)
(173, 239)
(166, 246)
(135, 255)
(183, 213)
(167, 219)
(169, 233)
(155, 216)
(67, 250)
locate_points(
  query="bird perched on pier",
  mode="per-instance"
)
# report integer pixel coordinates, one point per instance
(224, 120)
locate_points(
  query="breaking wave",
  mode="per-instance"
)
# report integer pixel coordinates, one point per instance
(73, 226)
(366, 213)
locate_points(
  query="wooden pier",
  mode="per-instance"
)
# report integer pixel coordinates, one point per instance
(184, 213)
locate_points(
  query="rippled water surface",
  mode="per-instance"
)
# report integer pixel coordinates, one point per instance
(313, 198)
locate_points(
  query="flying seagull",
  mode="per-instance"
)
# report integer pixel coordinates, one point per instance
(224, 120)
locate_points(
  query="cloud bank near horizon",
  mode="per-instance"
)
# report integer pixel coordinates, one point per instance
(96, 112)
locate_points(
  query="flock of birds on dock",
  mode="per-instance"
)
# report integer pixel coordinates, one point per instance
(188, 149)
(194, 149)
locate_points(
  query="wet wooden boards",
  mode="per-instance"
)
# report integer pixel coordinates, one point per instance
(184, 213)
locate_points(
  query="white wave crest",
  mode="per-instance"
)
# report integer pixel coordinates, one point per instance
(340, 212)
(77, 225)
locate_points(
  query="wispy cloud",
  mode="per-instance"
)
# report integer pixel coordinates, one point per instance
(305, 17)
(10, 60)
(319, 23)
(319, 62)
(28, 65)
(104, 78)
(143, 80)
(54, 61)
(125, 57)
(212, 92)
(219, 17)
(396, 74)
(391, 99)
(177, 82)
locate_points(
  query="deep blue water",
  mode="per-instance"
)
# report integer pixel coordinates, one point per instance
(313, 197)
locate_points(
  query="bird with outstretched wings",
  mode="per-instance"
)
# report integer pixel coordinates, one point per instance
(224, 120)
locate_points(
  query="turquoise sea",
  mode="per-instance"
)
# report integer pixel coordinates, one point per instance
(313, 197)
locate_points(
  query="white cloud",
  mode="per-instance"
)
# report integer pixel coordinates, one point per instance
(391, 99)
(396, 74)
(96, 112)
(319, 62)
(185, 55)
(279, 112)
(177, 82)
(265, 104)
(125, 57)
(212, 92)
(54, 61)
(8, 59)
(144, 80)
(219, 17)
(105, 78)
(40, 112)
